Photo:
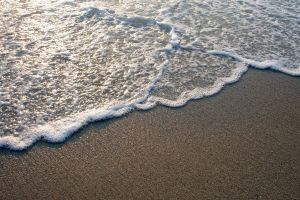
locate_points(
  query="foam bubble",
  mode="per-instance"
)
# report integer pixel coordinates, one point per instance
(278, 65)
(112, 58)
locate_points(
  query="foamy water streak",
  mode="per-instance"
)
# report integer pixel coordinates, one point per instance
(67, 63)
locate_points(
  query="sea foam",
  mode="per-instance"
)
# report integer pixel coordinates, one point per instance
(113, 58)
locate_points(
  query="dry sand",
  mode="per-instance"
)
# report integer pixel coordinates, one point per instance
(243, 143)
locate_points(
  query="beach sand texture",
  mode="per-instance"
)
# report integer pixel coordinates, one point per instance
(243, 143)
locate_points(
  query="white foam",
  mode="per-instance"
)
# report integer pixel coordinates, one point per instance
(277, 65)
(59, 130)
(62, 129)
(199, 93)
(128, 60)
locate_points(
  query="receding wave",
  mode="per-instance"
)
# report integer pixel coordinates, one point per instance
(65, 64)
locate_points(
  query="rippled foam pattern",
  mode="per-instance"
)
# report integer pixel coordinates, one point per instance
(67, 63)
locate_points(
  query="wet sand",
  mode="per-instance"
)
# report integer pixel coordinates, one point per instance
(243, 143)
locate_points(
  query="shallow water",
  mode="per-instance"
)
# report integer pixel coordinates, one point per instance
(66, 63)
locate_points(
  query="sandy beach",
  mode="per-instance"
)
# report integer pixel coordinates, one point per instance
(243, 143)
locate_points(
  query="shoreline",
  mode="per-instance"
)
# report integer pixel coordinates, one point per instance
(242, 143)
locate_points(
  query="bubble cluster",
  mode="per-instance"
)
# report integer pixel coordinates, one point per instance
(66, 63)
